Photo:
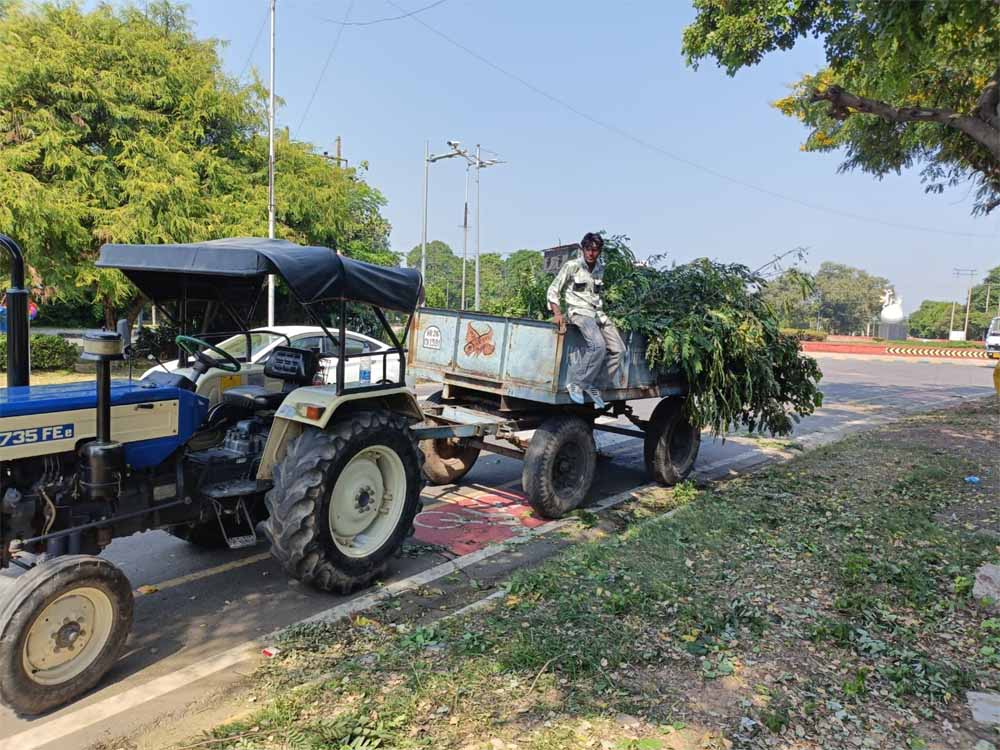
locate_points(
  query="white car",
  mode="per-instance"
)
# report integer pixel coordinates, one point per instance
(264, 341)
(992, 339)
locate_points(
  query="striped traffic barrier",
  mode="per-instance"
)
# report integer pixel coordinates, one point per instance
(911, 351)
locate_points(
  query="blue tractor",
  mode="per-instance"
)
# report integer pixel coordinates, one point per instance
(330, 474)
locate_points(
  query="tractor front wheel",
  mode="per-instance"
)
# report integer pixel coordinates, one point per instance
(344, 500)
(61, 629)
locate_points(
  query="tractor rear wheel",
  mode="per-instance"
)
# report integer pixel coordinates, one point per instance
(671, 444)
(61, 629)
(559, 466)
(447, 460)
(344, 500)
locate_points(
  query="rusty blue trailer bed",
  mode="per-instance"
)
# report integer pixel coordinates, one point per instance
(518, 358)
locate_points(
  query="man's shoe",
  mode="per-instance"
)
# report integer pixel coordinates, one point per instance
(595, 396)
(575, 393)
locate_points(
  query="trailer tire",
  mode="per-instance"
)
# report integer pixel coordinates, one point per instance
(671, 443)
(559, 466)
(343, 467)
(447, 460)
(91, 601)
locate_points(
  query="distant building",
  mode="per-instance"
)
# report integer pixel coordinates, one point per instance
(556, 257)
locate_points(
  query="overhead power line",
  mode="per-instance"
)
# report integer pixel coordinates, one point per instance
(611, 127)
(329, 58)
(375, 21)
(256, 41)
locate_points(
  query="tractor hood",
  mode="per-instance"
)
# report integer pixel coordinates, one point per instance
(235, 270)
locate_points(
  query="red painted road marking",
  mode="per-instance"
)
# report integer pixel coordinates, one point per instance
(464, 524)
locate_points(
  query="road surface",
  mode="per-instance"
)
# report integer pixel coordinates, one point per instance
(205, 603)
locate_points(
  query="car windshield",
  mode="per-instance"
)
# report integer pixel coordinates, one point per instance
(994, 327)
(237, 345)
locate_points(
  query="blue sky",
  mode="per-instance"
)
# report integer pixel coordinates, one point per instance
(391, 86)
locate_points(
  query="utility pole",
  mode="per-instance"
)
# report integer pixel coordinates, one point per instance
(986, 307)
(270, 175)
(479, 166)
(337, 159)
(958, 273)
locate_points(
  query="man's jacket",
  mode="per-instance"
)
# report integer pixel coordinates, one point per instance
(583, 288)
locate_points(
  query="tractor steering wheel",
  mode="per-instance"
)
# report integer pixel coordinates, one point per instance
(193, 346)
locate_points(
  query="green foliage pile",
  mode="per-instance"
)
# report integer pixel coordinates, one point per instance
(47, 353)
(710, 322)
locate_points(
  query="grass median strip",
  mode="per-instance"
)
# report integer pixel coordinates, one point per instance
(823, 602)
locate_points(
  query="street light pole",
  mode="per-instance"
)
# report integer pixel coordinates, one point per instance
(423, 233)
(270, 175)
(479, 165)
(465, 233)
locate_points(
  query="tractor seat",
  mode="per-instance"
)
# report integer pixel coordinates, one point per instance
(253, 397)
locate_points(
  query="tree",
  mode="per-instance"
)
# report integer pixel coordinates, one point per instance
(443, 284)
(932, 319)
(905, 83)
(849, 298)
(119, 125)
(793, 296)
(525, 285)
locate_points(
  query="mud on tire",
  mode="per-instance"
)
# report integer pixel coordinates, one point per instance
(299, 526)
(448, 459)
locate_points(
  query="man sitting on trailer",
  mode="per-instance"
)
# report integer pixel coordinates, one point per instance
(582, 281)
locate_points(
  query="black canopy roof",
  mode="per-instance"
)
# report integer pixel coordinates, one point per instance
(235, 269)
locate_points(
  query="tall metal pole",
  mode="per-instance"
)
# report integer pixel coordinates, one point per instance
(465, 234)
(951, 325)
(968, 309)
(270, 176)
(479, 164)
(423, 233)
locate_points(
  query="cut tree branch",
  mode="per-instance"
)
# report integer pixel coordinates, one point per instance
(982, 131)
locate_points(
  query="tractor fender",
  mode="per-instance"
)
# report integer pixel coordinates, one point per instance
(299, 406)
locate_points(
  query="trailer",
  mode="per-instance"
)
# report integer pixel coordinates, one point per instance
(501, 377)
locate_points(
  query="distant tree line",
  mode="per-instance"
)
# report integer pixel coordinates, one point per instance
(844, 300)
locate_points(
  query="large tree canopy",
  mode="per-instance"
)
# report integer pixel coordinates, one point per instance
(905, 83)
(119, 125)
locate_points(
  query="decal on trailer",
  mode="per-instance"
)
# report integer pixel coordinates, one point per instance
(36, 434)
(479, 342)
(432, 338)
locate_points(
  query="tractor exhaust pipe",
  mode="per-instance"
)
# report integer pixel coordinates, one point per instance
(18, 364)
(102, 461)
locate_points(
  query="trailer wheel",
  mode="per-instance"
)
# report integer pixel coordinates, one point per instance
(448, 459)
(61, 629)
(344, 500)
(559, 466)
(671, 444)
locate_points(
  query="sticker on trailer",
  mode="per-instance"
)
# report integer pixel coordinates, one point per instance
(432, 338)
(36, 435)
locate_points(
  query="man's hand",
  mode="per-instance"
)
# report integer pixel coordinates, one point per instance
(560, 320)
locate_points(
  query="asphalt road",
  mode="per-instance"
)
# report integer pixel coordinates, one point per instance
(209, 601)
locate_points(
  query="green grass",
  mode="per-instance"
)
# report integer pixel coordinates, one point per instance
(823, 597)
